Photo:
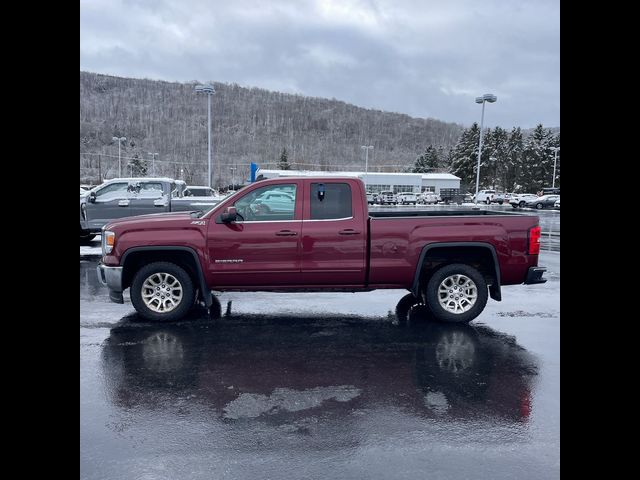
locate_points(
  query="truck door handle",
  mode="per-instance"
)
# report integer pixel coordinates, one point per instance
(286, 233)
(348, 231)
(123, 203)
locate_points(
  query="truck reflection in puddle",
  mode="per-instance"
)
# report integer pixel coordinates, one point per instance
(284, 369)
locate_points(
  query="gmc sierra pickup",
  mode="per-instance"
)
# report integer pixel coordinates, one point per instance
(316, 234)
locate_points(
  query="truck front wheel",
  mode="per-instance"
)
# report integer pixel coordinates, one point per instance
(162, 291)
(456, 293)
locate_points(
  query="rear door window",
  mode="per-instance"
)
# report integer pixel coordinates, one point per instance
(330, 201)
(150, 190)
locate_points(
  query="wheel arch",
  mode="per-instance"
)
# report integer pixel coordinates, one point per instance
(439, 254)
(186, 257)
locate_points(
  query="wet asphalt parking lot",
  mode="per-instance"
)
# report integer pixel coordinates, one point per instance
(321, 385)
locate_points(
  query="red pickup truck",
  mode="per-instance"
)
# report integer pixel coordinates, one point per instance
(316, 234)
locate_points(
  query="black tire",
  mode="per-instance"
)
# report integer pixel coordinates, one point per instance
(500, 202)
(404, 306)
(188, 292)
(431, 293)
(539, 206)
(412, 309)
(522, 204)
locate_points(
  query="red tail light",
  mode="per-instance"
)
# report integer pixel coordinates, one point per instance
(534, 240)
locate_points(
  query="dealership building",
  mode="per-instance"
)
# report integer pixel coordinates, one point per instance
(378, 182)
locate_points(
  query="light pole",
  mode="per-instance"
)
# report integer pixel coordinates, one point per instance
(487, 97)
(366, 162)
(153, 163)
(555, 160)
(119, 140)
(492, 161)
(208, 89)
(233, 178)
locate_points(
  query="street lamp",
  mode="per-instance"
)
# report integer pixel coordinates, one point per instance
(233, 178)
(119, 140)
(487, 97)
(492, 161)
(555, 160)
(208, 90)
(366, 161)
(153, 163)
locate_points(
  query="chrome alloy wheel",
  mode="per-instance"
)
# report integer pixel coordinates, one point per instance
(161, 292)
(457, 294)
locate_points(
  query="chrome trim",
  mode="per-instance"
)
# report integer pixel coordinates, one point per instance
(295, 221)
(328, 219)
(267, 221)
(452, 216)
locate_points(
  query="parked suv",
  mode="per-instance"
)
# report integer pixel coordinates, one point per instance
(387, 197)
(521, 199)
(407, 197)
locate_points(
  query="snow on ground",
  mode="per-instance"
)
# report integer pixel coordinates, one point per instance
(92, 248)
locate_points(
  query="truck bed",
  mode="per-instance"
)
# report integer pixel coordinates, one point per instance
(398, 237)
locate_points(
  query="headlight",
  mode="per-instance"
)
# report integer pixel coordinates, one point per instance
(108, 241)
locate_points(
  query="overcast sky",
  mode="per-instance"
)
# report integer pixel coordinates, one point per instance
(425, 58)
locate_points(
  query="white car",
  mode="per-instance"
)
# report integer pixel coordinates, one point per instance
(485, 196)
(407, 197)
(557, 204)
(520, 200)
(428, 197)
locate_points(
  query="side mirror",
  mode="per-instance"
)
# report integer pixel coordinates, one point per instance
(92, 197)
(229, 215)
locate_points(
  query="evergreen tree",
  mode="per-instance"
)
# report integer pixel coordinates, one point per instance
(493, 165)
(284, 160)
(138, 166)
(428, 161)
(464, 155)
(513, 162)
(537, 164)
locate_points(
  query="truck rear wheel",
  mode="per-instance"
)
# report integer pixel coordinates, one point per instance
(162, 292)
(456, 293)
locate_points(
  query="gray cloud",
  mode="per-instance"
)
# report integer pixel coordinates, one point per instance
(423, 58)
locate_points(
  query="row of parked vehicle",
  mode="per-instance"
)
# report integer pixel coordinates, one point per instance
(547, 198)
(402, 198)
